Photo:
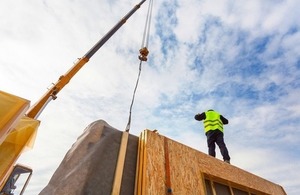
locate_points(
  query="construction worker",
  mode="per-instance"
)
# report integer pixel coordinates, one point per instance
(213, 127)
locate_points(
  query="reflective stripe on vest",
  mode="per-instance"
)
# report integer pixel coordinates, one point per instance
(212, 121)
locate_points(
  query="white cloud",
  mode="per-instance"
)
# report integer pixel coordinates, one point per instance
(237, 57)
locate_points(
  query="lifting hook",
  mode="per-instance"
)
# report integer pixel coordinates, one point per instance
(143, 54)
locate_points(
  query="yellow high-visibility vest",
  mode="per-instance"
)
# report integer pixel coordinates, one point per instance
(212, 121)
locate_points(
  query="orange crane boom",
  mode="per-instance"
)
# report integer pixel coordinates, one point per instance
(36, 109)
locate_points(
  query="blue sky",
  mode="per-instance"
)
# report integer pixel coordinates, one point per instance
(240, 58)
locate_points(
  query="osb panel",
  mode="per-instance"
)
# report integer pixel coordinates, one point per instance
(186, 167)
(155, 169)
(185, 171)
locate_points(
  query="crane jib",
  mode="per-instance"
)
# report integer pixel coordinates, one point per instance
(101, 42)
(38, 107)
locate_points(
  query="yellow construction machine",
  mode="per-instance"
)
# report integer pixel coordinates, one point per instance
(19, 124)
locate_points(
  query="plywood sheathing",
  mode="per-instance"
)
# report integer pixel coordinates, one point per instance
(155, 169)
(187, 166)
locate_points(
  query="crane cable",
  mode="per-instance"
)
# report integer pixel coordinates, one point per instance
(142, 57)
(145, 40)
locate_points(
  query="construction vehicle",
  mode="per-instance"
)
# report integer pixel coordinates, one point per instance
(19, 124)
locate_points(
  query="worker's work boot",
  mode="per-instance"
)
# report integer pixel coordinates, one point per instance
(227, 161)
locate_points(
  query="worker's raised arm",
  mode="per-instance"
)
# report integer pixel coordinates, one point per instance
(224, 120)
(200, 117)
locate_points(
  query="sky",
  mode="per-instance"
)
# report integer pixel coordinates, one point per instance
(240, 58)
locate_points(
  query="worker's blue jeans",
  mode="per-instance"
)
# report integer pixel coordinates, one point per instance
(216, 137)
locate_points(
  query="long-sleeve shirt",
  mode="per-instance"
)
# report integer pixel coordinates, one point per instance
(202, 116)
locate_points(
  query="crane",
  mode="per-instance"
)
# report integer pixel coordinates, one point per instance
(17, 115)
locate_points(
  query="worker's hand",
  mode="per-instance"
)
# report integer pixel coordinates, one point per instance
(197, 117)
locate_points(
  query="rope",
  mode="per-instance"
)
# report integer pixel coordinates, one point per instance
(132, 101)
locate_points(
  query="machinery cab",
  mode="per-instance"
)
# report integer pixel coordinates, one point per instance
(17, 180)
